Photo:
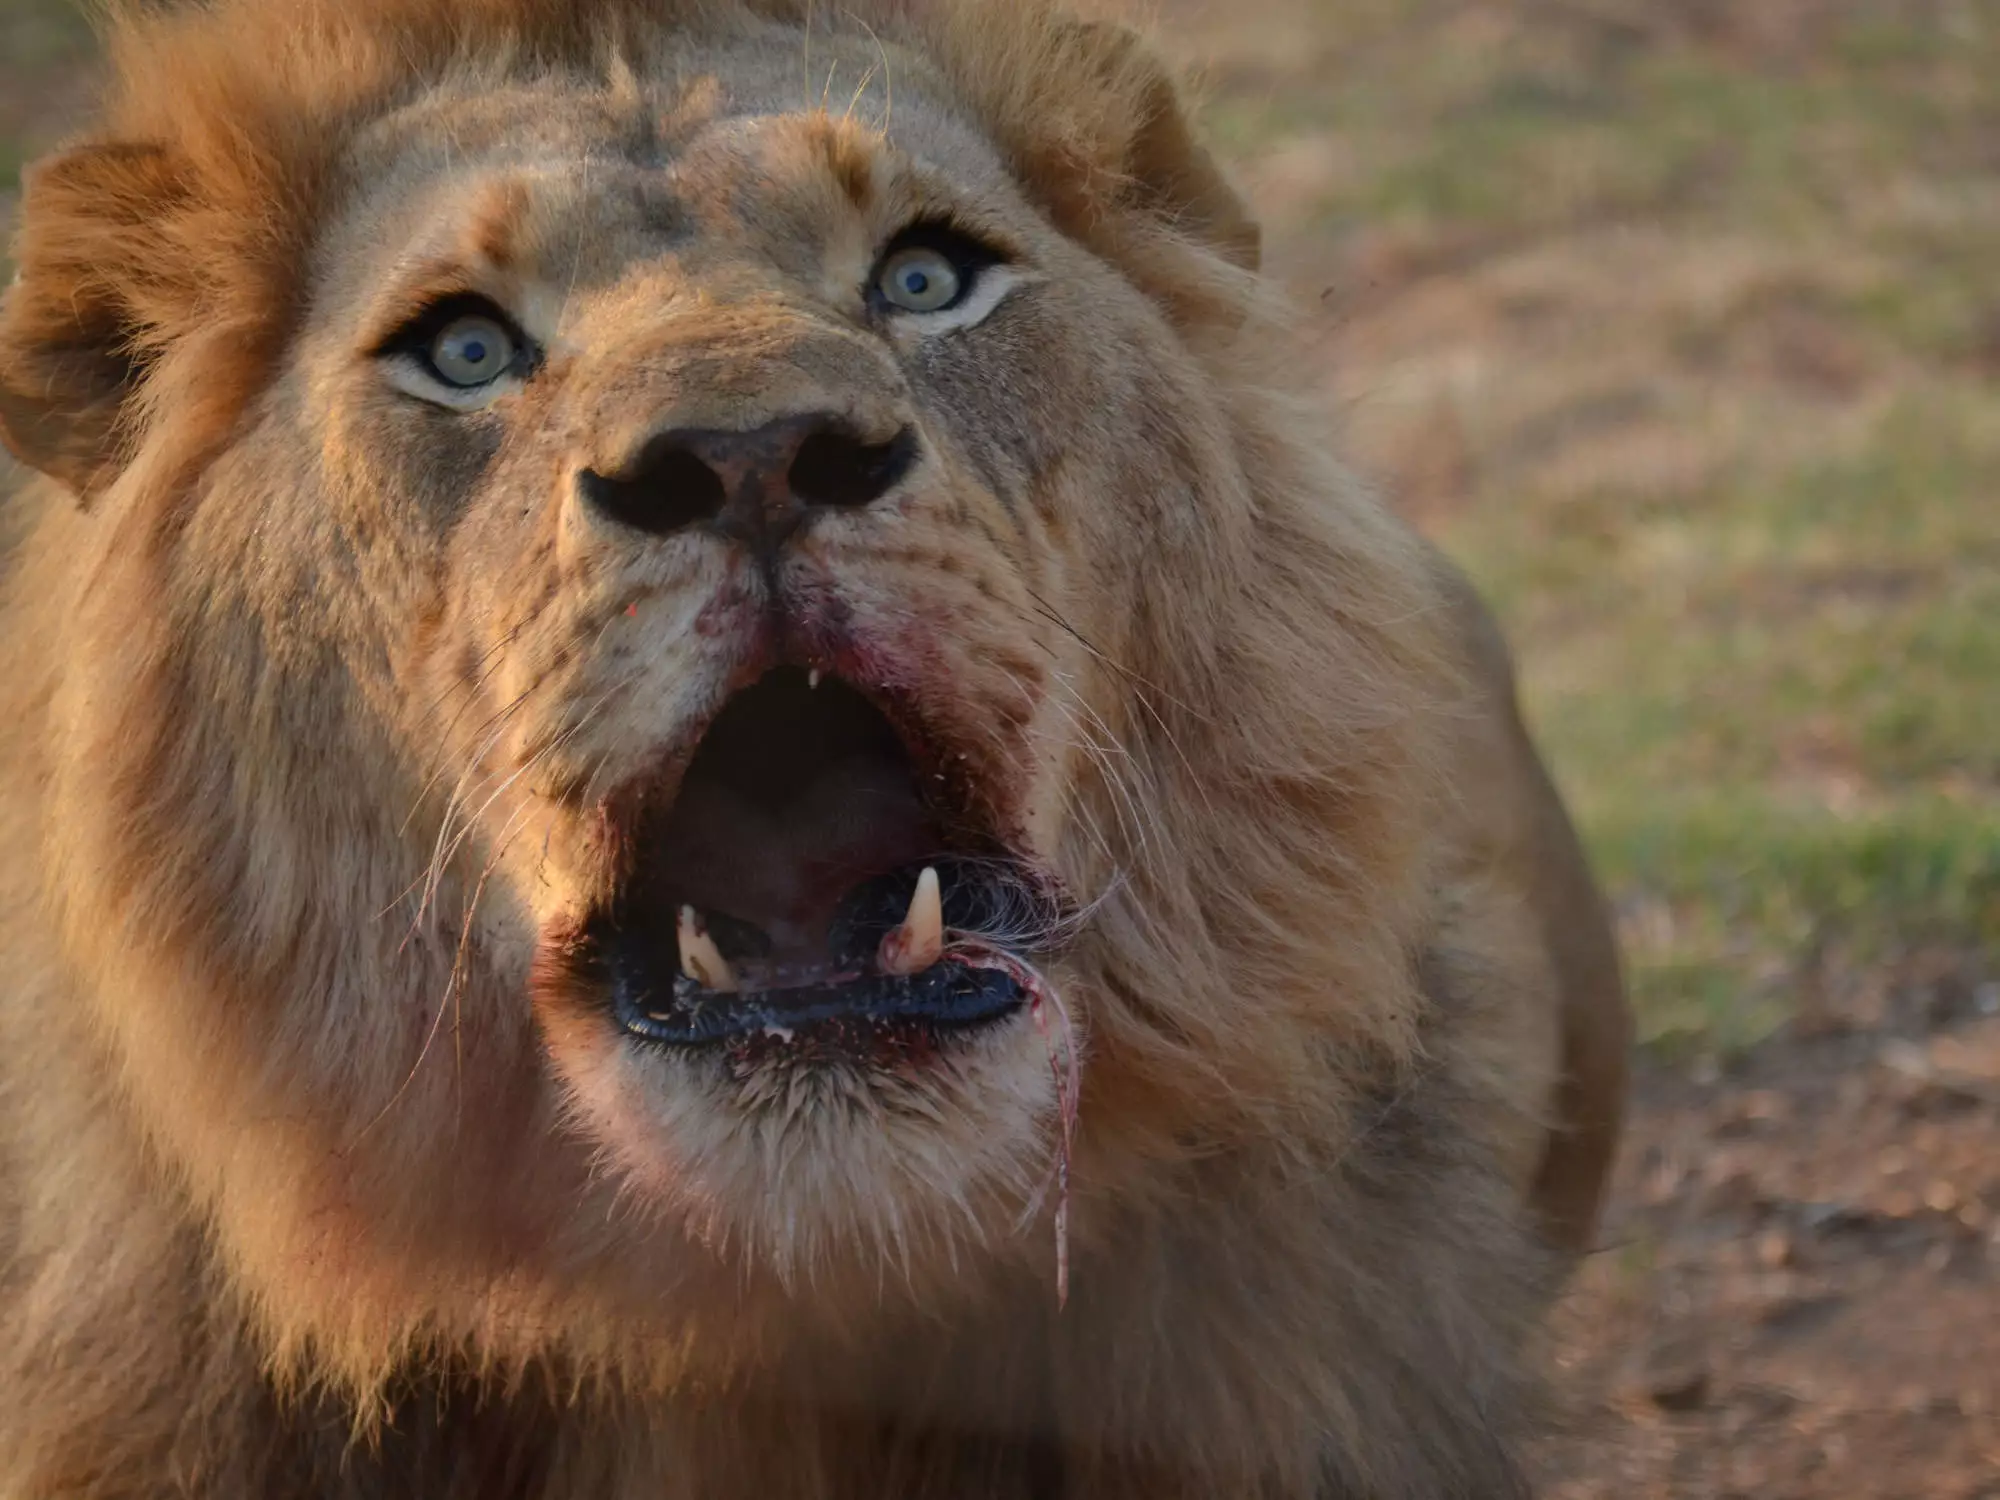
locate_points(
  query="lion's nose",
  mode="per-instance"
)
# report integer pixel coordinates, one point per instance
(758, 486)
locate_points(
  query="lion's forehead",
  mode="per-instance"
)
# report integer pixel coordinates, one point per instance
(714, 157)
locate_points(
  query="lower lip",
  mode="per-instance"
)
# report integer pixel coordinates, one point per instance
(949, 996)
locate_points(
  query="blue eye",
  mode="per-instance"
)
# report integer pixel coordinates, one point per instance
(471, 351)
(920, 280)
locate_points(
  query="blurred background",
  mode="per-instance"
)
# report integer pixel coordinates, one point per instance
(1678, 323)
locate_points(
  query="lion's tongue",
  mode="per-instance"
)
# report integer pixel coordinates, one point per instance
(783, 866)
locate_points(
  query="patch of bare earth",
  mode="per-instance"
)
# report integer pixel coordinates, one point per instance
(1798, 1294)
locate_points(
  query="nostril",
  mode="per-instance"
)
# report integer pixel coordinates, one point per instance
(833, 467)
(669, 489)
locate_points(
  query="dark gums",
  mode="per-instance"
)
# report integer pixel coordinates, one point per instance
(948, 995)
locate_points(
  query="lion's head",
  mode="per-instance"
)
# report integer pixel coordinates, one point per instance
(676, 631)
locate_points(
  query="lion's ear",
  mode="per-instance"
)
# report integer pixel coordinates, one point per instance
(1170, 170)
(73, 324)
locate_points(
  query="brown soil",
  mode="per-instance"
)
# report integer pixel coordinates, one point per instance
(1798, 1293)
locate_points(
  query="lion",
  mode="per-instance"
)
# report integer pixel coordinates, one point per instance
(708, 793)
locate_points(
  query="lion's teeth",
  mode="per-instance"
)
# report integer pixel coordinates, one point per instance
(812, 678)
(701, 960)
(919, 942)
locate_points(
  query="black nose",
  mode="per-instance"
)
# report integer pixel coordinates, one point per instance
(758, 486)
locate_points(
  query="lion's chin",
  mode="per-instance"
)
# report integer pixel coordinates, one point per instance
(806, 1158)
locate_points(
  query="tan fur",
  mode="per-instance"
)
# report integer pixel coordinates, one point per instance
(318, 705)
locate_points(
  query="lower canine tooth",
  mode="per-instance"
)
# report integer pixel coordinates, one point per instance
(701, 960)
(919, 942)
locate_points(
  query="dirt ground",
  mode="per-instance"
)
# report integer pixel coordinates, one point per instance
(1798, 1293)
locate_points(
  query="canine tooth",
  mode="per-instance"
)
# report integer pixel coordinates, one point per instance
(919, 942)
(701, 960)
(812, 678)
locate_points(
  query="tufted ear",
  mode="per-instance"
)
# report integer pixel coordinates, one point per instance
(73, 324)
(1170, 171)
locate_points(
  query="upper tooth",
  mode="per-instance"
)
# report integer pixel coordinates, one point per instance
(812, 678)
(919, 942)
(701, 960)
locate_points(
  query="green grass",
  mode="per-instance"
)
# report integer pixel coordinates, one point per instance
(1776, 707)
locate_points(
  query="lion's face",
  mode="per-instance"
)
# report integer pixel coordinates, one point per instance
(750, 545)
(731, 663)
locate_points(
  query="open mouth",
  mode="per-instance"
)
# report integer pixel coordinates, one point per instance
(810, 879)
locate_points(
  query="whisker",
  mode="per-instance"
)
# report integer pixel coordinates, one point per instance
(454, 994)
(1141, 687)
(1142, 810)
(1055, 617)
(435, 869)
(490, 661)
(471, 821)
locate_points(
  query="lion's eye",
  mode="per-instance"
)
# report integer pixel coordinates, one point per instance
(931, 268)
(473, 350)
(919, 280)
(460, 352)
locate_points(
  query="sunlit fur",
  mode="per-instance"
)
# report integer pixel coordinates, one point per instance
(323, 709)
